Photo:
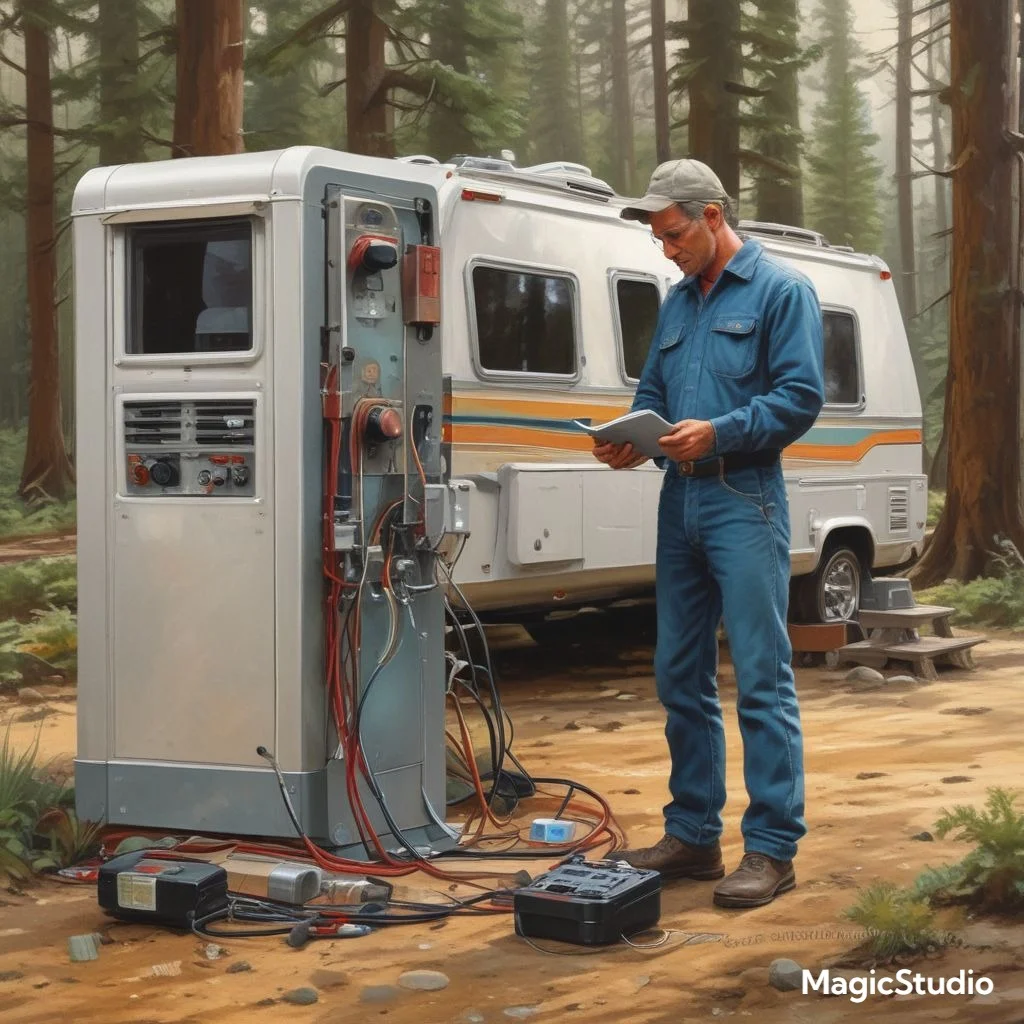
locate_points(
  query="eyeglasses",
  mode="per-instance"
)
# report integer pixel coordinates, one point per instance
(673, 237)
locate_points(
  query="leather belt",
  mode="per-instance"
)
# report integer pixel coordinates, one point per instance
(725, 463)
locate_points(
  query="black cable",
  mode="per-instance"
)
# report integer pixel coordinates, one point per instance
(508, 747)
(560, 851)
(565, 802)
(492, 685)
(253, 909)
(492, 738)
(463, 641)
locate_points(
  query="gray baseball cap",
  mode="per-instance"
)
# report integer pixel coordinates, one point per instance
(677, 181)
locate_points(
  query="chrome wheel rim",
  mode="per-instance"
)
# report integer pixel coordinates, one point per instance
(840, 589)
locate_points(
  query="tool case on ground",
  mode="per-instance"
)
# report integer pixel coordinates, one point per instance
(134, 887)
(588, 903)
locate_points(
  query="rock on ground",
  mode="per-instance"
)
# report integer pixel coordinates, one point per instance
(301, 996)
(423, 981)
(785, 974)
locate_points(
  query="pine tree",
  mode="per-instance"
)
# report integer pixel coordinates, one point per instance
(774, 62)
(282, 100)
(472, 45)
(47, 470)
(710, 72)
(392, 75)
(982, 510)
(555, 131)
(844, 173)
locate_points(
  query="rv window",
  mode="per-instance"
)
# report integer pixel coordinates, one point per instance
(639, 302)
(191, 288)
(525, 322)
(842, 379)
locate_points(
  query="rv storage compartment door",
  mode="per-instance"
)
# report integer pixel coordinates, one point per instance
(545, 514)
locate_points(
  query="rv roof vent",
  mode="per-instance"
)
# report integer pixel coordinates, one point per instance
(795, 234)
(843, 248)
(574, 177)
(419, 158)
(559, 167)
(482, 163)
(594, 187)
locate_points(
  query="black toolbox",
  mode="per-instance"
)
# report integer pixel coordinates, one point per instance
(592, 903)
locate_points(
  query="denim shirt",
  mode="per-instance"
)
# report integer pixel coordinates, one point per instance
(748, 356)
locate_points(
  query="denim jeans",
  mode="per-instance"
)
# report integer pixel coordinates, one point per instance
(723, 552)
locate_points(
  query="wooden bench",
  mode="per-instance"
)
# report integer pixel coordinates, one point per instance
(895, 635)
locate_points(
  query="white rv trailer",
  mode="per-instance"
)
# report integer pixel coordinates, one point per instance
(549, 305)
(548, 301)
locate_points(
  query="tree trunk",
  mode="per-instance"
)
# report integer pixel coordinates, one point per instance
(982, 420)
(940, 159)
(622, 104)
(938, 472)
(661, 123)
(120, 101)
(365, 68)
(47, 469)
(904, 159)
(210, 78)
(714, 110)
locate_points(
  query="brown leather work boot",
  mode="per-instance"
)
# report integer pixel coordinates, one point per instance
(672, 858)
(757, 881)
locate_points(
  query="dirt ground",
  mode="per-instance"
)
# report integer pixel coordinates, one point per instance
(927, 746)
(18, 549)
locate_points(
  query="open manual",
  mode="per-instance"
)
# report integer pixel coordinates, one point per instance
(641, 429)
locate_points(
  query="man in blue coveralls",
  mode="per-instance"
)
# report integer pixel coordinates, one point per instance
(736, 363)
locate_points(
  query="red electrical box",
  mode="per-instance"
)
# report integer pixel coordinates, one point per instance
(421, 284)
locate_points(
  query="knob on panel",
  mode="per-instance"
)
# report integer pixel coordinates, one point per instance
(163, 474)
(383, 424)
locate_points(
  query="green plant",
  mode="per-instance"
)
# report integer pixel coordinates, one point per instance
(17, 519)
(896, 920)
(18, 784)
(992, 874)
(45, 647)
(52, 636)
(38, 583)
(18, 789)
(38, 830)
(936, 501)
(70, 840)
(990, 601)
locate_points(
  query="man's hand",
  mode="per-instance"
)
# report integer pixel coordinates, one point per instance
(689, 440)
(618, 456)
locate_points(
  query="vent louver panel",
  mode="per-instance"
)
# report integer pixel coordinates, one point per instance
(899, 509)
(207, 423)
(225, 424)
(152, 423)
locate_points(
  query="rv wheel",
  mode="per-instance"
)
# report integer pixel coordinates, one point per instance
(832, 592)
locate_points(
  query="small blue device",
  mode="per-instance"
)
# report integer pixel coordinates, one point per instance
(552, 830)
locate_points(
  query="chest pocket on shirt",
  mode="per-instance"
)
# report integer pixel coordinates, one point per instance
(733, 345)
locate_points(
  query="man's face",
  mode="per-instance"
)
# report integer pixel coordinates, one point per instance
(689, 244)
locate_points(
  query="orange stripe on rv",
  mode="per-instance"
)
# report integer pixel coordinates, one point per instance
(851, 452)
(526, 437)
(568, 408)
(530, 437)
